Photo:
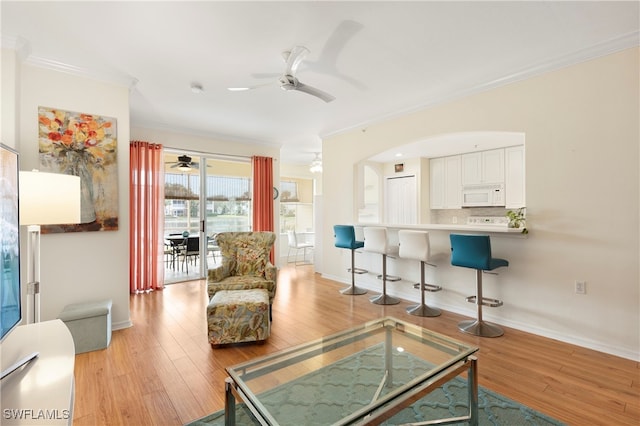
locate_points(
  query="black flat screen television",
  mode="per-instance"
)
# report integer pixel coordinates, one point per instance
(10, 295)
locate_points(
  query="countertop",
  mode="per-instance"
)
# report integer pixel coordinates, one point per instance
(487, 229)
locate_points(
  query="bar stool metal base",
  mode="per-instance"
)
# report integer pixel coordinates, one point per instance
(423, 311)
(353, 291)
(480, 328)
(384, 299)
(390, 278)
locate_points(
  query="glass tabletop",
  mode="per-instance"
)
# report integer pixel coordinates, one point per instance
(347, 376)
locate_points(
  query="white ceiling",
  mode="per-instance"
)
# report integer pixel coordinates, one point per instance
(379, 59)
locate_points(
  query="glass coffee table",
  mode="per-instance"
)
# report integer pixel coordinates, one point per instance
(362, 376)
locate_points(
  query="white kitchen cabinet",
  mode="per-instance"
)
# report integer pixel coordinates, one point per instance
(453, 188)
(445, 188)
(471, 168)
(436, 187)
(483, 167)
(514, 177)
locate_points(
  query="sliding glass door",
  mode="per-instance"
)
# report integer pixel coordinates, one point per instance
(204, 194)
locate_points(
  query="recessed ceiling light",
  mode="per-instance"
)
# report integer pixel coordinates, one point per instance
(399, 154)
(196, 88)
(237, 89)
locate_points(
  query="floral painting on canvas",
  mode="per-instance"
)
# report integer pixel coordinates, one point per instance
(83, 145)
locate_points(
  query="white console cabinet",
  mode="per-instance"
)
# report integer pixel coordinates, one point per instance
(42, 391)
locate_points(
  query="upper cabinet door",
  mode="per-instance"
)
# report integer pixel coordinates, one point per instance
(493, 166)
(446, 190)
(515, 177)
(485, 167)
(472, 168)
(437, 181)
(453, 189)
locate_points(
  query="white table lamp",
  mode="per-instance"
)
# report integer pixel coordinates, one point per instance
(45, 199)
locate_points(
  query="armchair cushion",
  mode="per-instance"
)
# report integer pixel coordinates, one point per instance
(250, 262)
(245, 263)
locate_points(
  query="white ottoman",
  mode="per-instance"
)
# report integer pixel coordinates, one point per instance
(89, 324)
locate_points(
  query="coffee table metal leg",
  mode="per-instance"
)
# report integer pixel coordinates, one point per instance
(388, 357)
(229, 403)
(473, 391)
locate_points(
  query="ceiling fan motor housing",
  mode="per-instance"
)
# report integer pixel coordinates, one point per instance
(288, 82)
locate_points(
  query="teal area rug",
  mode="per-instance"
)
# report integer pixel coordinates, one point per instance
(329, 394)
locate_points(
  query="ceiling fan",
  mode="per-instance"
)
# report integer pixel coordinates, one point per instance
(184, 163)
(288, 80)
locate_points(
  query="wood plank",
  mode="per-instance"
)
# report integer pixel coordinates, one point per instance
(163, 371)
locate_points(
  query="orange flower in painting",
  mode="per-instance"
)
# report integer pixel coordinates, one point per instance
(75, 137)
(67, 137)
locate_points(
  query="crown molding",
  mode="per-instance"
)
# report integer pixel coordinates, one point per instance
(205, 134)
(114, 77)
(598, 50)
(20, 45)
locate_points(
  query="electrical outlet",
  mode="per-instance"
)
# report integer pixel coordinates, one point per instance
(454, 219)
(581, 287)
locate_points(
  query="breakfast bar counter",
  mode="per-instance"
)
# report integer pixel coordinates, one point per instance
(453, 227)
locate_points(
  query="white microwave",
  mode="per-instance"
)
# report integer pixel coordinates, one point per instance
(483, 195)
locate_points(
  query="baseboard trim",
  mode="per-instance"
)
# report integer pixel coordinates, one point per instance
(626, 353)
(121, 325)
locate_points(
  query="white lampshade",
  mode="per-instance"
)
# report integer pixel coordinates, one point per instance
(49, 198)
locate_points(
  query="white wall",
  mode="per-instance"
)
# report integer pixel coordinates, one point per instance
(80, 266)
(581, 125)
(9, 78)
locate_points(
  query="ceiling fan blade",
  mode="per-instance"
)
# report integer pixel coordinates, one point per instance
(337, 41)
(314, 92)
(265, 75)
(296, 55)
(257, 86)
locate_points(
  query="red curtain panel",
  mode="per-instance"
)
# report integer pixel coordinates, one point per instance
(146, 214)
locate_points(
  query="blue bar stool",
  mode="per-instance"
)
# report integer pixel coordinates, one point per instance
(474, 251)
(345, 237)
(415, 245)
(375, 241)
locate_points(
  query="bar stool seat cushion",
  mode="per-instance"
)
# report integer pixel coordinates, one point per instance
(345, 237)
(474, 251)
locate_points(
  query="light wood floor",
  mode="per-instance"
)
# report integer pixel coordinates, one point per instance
(162, 371)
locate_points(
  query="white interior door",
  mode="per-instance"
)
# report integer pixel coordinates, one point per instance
(401, 200)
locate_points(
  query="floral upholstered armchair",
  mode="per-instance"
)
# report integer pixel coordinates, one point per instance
(245, 263)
